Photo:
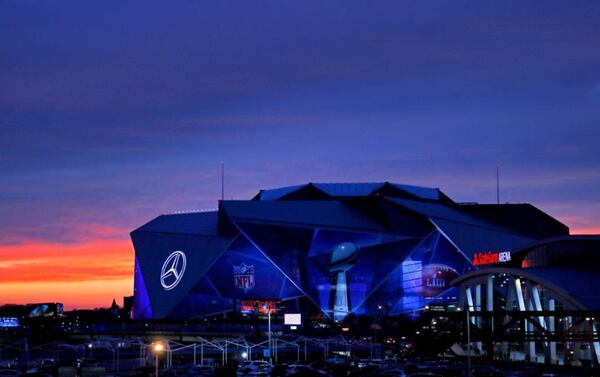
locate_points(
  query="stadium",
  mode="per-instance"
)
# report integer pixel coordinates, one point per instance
(345, 248)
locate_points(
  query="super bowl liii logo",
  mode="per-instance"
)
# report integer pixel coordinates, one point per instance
(243, 277)
(436, 278)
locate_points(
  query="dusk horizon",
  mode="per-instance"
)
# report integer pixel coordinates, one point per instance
(24, 286)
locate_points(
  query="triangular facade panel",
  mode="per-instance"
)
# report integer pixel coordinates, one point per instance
(243, 272)
(166, 288)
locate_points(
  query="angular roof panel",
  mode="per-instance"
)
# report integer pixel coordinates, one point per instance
(421, 192)
(521, 217)
(277, 193)
(314, 213)
(349, 189)
(471, 239)
(468, 233)
(437, 210)
(197, 223)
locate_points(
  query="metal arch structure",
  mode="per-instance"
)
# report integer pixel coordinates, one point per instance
(513, 314)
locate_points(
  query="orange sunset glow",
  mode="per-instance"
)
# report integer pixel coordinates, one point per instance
(583, 231)
(80, 275)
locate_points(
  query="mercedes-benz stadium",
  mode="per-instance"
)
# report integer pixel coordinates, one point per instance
(338, 248)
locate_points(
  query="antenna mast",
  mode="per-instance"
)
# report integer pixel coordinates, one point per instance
(222, 181)
(497, 185)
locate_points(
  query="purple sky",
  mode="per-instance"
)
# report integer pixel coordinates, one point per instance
(113, 113)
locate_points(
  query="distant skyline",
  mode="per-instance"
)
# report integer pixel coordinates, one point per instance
(113, 113)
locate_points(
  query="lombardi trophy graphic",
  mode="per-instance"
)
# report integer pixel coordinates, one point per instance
(341, 259)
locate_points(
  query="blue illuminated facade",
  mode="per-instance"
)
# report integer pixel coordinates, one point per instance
(361, 248)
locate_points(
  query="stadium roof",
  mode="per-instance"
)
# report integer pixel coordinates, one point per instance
(390, 207)
(348, 190)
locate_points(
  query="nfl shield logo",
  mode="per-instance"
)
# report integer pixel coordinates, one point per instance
(243, 276)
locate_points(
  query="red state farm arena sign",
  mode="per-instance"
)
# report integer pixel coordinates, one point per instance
(491, 257)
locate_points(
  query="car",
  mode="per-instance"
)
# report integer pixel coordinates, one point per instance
(336, 359)
(342, 370)
(200, 370)
(412, 369)
(67, 371)
(363, 363)
(318, 364)
(174, 372)
(393, 372)
(520, 373)
(450, 371)
(86, 362)
(35, 373)
(369, 370)
(9, 373)
(486, 371)
(279, 370)
(298, 370)
(254, 368)
(167, 373)
(303, 362)
(145, 372)
(38, 363)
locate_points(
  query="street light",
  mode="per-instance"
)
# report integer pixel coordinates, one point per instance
(268, 307)
(469, 372)
(157, 347)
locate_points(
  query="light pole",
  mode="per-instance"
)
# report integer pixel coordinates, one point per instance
(270, 340)
(469, 341)
(268, 307)
(157, 347)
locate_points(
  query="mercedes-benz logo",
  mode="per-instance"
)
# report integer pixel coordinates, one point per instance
(172, 270)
